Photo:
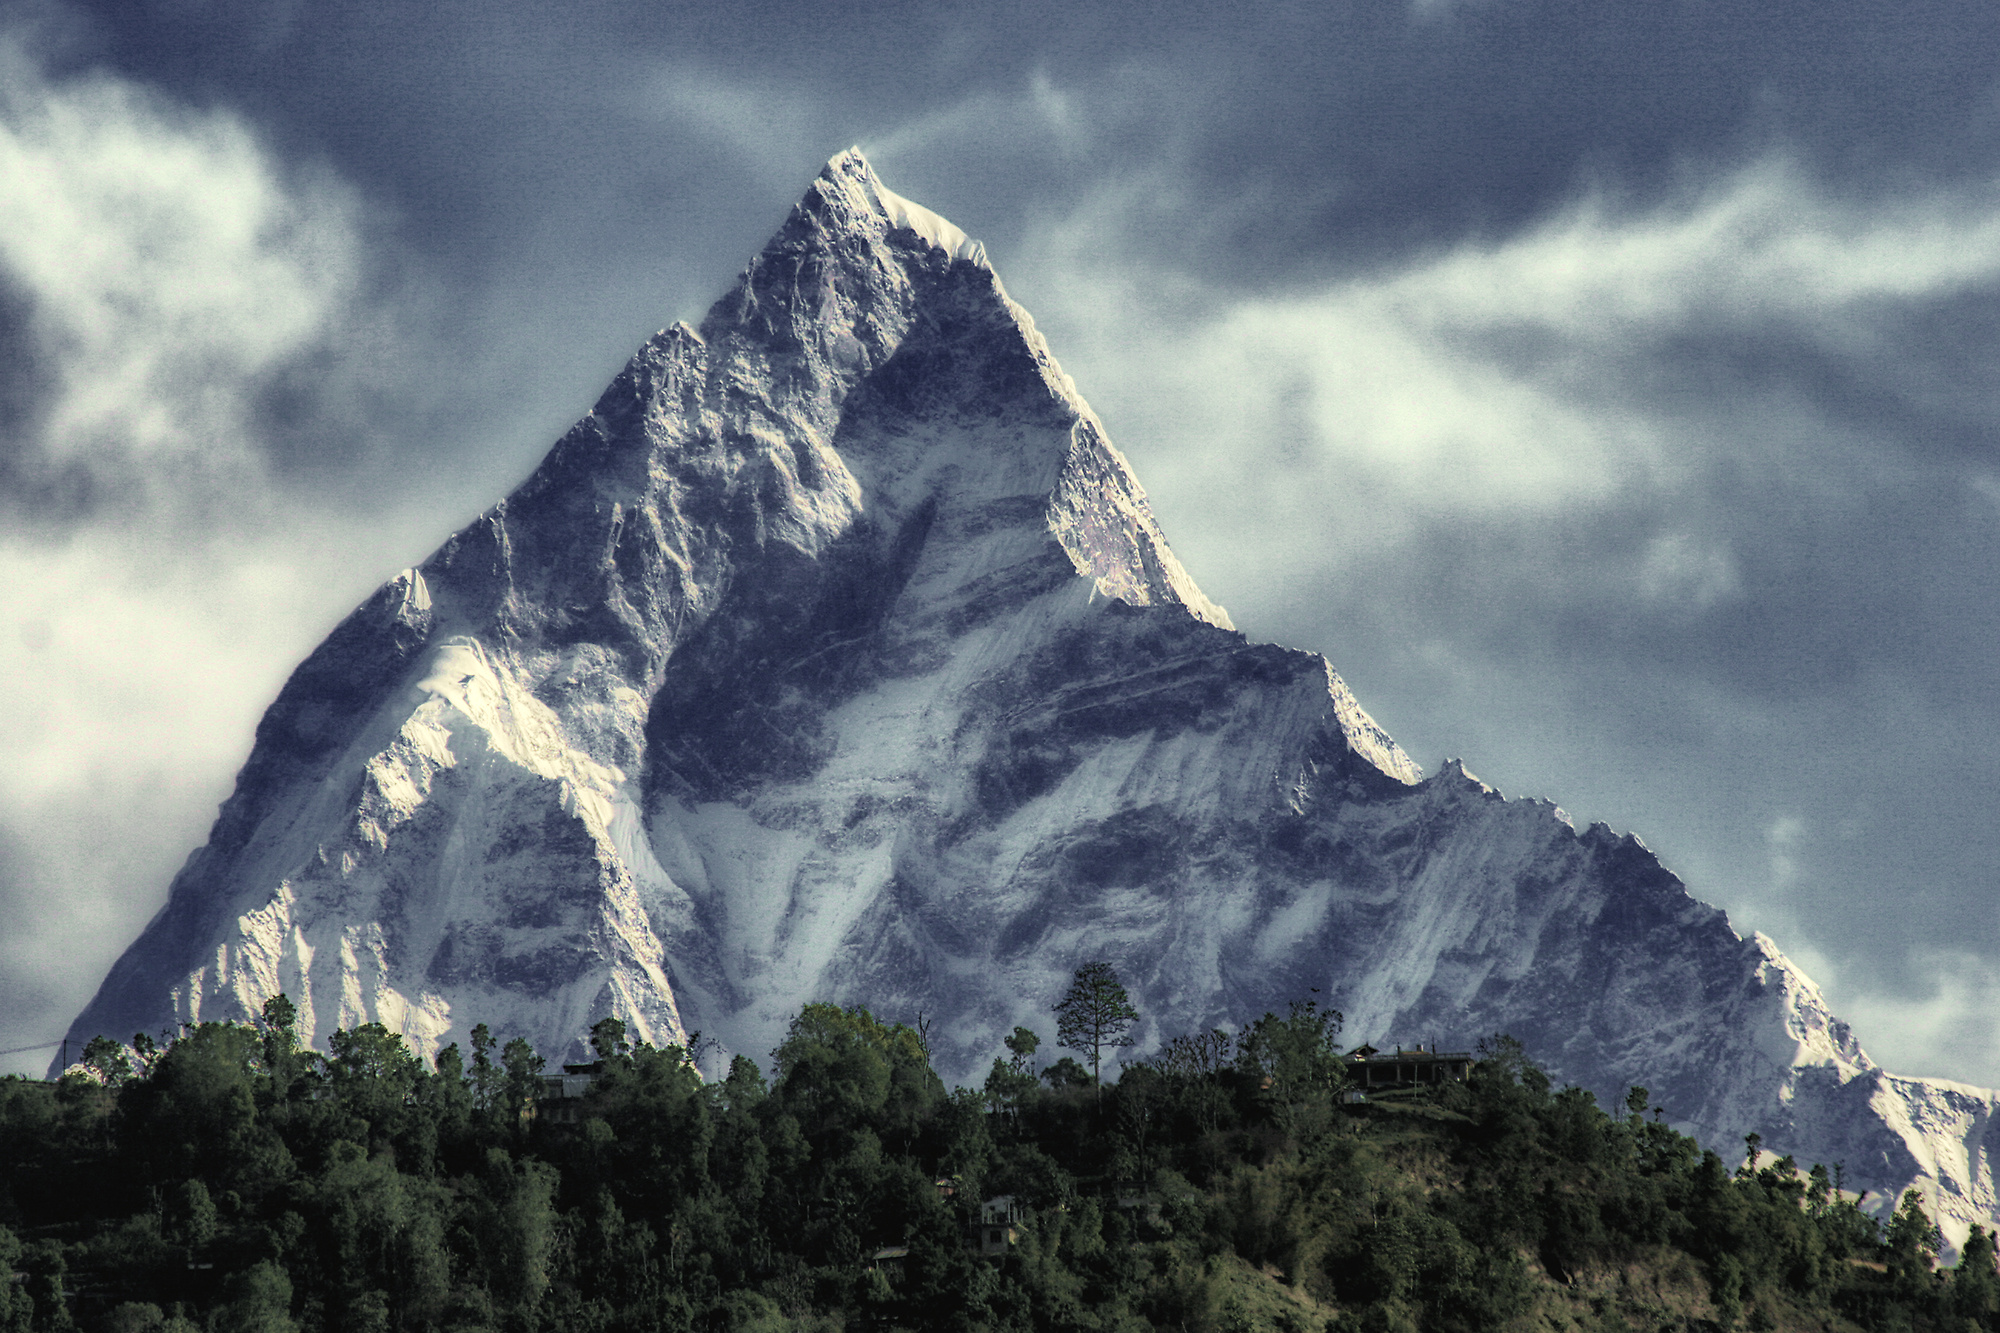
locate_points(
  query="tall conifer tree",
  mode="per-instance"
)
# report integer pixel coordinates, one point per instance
(1096, 1014)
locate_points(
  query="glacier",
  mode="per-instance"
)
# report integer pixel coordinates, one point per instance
(836, 654)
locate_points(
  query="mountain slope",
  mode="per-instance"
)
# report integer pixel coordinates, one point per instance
(836, 655)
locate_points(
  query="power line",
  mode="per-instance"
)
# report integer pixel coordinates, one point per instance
(43, 1046)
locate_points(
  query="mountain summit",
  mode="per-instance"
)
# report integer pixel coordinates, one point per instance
(837, 655)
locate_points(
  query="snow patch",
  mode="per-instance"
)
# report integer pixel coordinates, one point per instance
(904, 214)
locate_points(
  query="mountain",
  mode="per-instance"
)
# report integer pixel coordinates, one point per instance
(837, 655)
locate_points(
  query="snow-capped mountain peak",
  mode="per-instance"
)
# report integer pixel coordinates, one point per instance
(835, 654)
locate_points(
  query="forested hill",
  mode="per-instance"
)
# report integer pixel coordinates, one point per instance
(235, 1183)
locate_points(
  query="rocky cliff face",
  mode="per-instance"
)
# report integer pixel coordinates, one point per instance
(836, 655)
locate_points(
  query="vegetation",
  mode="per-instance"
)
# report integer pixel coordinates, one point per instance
(1096, 1015)
(237, 1183)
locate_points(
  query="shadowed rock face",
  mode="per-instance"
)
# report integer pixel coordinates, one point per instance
(836, 655)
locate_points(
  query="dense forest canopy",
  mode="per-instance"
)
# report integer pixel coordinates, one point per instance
(234, 1182)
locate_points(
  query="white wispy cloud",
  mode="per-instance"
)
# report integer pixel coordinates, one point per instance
(167, 265)
(1488, 376)
(758, 124)
(1935, 1022)
(168, 269)
(1682, 570)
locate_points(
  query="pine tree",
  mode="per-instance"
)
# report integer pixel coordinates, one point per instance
(485, 1074)
(1096, 1015)
(607, 1038)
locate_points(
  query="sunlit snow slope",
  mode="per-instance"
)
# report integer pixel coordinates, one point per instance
(836, 655)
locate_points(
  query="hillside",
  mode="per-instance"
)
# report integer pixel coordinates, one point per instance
(236, 1181)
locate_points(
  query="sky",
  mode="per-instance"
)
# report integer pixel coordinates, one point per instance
(1607, 388)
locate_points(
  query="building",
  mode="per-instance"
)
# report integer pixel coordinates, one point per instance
(998, 1225)
(560, 1097)
(1372, 1070)
(888, 1254)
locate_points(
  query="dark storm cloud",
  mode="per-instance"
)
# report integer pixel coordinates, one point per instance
(1367, 128)
(518, 163)
(1607, 388)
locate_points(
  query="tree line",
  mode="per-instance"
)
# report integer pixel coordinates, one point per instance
(234, 1181)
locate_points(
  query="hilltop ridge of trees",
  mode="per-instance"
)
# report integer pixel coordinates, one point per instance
(235, 1182)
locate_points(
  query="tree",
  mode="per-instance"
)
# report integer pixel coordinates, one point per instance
(1975, 1286)
(1913, 1239)
(485, 1074)
(280, 1014)
(607, 1038)
(1197, 1055)
(109, 1059)
(1192, 1064)
(1023, 1045)
(448, 1095)
(373, 1073)
(520, 1223)
(197, 1114)
(1013, 1080)
(45, 1274)
(521, 1080)
(259, 1301)
(1066, 1073)
(843, 1069)
(1096, 1015)
(146, 1054)
(17, 1307)
(282, 1060)
(190, 1215)
(1294, 1057)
